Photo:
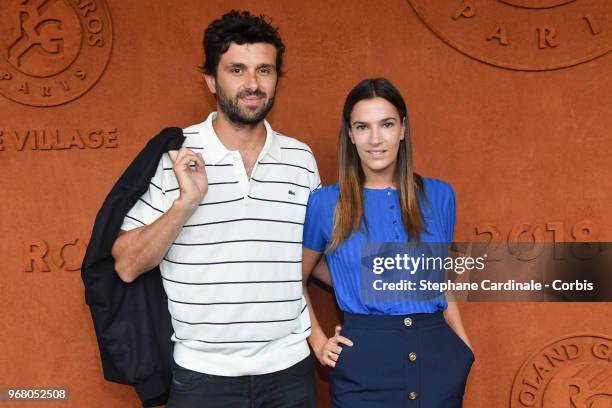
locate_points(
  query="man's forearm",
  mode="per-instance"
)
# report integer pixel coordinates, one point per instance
(141, 249)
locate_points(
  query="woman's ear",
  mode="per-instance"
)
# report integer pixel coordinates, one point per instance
(403, 128)
(350, 135)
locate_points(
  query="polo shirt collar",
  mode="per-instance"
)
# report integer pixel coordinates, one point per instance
(215, 151)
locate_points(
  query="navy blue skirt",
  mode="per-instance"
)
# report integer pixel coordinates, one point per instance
(414, 360)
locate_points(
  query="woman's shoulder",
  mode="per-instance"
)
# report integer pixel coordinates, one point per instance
(438, 191)
(324, 196)
(436, 186)
(330, 191)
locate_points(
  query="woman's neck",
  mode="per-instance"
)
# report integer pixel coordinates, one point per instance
(379, 181)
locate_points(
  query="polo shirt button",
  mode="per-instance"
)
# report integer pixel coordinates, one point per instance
(395, 221)
(412, 395)
(397, 237)
(407, 322)
(388, 193)
(412, 356)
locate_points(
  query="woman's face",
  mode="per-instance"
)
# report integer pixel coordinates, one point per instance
(376, 130)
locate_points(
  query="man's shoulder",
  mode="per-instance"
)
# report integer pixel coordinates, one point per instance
(288, 143)
(194, 135)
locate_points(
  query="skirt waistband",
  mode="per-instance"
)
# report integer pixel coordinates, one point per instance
(393, 322)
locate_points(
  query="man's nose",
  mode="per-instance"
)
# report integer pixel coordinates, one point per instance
(251, 82)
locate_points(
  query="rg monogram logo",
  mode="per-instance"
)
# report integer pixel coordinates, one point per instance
(54, 50)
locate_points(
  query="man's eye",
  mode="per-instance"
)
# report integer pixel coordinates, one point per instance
(235, 70)
(265, 71)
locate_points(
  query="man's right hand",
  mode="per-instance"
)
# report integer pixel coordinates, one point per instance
(193, 182)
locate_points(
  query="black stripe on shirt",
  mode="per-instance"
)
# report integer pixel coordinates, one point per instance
(210, 184)
(156, 209)
(156, 186)
(244, 219)
(302, 332)
(275, 201)
(238, 240)
(223, 202)
(240, 322)
(279, 182)
(206, 165)
(288, 164)
(236, 303)
(135, 219)
(297, 148)
(230, 283)
(226, 262)
(223, 342)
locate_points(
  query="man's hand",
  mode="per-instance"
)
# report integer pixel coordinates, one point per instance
(193, 182)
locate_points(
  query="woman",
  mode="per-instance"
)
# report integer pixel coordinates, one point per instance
(390, 354)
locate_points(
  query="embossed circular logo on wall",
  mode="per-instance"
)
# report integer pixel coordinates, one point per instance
(52, 51)
(529, 35)
(572, 372)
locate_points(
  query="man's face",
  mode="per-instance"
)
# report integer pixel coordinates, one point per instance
(245, 84)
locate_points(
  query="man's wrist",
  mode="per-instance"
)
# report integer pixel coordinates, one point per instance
(183, 208)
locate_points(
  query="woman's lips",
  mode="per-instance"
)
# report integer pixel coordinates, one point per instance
(376, 153)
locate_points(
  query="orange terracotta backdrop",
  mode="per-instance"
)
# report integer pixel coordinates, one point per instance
(510, 101)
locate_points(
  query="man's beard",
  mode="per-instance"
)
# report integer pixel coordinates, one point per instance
(243, 116)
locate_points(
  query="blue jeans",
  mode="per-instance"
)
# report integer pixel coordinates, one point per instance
(293, 387)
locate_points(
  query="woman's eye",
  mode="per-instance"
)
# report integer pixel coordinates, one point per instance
(360, 127)
(388, 124)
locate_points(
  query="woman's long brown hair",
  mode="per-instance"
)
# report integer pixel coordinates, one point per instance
(349, 214)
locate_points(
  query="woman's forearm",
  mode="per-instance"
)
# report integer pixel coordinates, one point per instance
(317, 337)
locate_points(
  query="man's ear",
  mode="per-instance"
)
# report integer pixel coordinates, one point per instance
(211, 82)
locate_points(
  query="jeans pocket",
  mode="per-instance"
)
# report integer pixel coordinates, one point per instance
(462, 343)
(184, 379)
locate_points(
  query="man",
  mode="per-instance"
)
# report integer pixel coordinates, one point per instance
(223, 218)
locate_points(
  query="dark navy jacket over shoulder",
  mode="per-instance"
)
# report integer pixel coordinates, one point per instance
(131, 321)
(383, 215)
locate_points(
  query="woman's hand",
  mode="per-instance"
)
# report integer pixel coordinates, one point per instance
(329, 352)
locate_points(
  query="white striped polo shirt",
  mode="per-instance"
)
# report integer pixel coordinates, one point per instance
(233, 274)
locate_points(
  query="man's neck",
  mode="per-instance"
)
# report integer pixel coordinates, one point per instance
(242, 138)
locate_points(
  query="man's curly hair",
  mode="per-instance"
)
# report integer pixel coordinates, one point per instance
(240, 27)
